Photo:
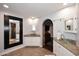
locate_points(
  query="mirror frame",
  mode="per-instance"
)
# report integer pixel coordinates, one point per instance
(6, 31)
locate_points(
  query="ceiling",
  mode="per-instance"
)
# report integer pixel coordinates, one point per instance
(33, 9)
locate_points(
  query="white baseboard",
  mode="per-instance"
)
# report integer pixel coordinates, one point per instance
(11, 49)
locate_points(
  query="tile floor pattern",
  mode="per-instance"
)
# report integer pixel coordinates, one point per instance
(30, 51)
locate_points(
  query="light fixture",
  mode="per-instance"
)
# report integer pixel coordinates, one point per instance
(33, 22)
(64, 3)
(5, 6)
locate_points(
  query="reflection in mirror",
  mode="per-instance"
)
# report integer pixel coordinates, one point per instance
(69, 25)
(14, 31)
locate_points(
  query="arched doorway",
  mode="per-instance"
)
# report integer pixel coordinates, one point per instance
(48, 34)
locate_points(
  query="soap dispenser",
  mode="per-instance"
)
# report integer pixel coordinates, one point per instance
(62, 37)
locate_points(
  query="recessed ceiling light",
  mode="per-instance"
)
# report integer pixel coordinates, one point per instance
(6, 6)
(64, 3)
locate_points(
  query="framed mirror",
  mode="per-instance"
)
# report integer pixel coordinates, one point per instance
(69, 25)
(13, 31)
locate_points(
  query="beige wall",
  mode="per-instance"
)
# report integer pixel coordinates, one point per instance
(77, 35)
(1, 32)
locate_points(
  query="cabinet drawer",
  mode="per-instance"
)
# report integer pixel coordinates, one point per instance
(32, 41)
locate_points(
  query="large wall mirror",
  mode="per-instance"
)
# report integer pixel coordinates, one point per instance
(12, 31)
(71, 25)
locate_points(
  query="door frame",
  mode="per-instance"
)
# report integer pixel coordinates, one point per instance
(49, 22)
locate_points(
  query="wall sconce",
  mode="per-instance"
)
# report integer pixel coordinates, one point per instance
(33, 22)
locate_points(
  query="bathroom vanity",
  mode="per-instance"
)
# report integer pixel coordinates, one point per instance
(64, 48)
(32, 40)
(68, 45)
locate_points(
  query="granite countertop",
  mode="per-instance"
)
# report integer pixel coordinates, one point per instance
(31, 35)
(71, 47)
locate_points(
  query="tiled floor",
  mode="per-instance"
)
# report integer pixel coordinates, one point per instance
(30, 51)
